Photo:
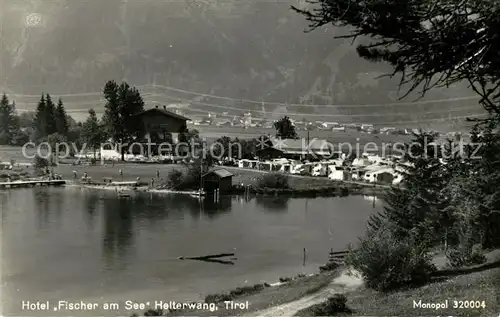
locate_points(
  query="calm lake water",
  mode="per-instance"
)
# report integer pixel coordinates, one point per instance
(79, 244)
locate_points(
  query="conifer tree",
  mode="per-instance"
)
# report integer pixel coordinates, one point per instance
(62, 125)
(122, 102)
(92, 132)
(417, 208)
(40, 120)
(8, 121)
(483, 184)
(50, 114)
(285, 129)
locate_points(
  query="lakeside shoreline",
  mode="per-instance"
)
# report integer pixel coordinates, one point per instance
(266, 192)
(266, 297)
(299, 186)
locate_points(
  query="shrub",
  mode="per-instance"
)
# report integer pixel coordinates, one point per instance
(217, 298)
(477, 255)
(273, 180)
(247, 290)
(40, 164)
(388, 263)
(331, 307)
(151, 312)
(240, 291)
(192, 178)
(330, 266)
(285, 279)
(174, 178)
(344, 191)
(464, 256)
(465, 234)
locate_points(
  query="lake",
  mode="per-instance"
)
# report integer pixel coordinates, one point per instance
(80, 244)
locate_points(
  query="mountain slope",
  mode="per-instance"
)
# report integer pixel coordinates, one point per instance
(238, 49)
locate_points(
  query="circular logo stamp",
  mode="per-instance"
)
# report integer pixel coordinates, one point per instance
(33, 20)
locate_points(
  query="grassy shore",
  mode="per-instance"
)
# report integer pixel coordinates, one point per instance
(479, 283)
(479, 286)
(270, 296)
(146, 172)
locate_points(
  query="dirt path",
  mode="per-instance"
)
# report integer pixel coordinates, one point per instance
(348, 281)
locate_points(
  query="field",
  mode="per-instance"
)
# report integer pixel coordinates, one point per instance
(356, 140)
(148, 171)
(335, 138)
(479, 286)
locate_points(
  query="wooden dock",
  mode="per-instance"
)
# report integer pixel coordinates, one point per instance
(32, 183)
(182, 192)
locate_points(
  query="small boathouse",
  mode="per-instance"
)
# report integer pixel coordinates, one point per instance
(218, 179)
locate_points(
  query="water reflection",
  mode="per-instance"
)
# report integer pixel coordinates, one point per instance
(118, 231)
(274, 203)
(159, 207)
(213, 208)
(119, 216)
(92, 202)
(3, 205)
(42, 201)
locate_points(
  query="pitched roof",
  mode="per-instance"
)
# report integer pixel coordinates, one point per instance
(163, 112)
(222, 173)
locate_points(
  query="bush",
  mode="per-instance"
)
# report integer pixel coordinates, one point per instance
(344, 191)
(174, 178)
(191, 180)
(247, 290)
(330, 266)
(40, 165)
(464, 256)
(21, 138)
(388, 263)
(273, 180)
(333, 306)
(217, 298)
(151, 312)
(285, 279)
(477, 255)
(465, 234)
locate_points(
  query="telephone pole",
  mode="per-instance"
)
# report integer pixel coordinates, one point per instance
(307, 142)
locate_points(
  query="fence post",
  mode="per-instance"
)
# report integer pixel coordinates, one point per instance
(304, 260)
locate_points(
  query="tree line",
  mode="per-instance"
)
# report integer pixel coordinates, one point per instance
(11, 124)
(49, 122)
